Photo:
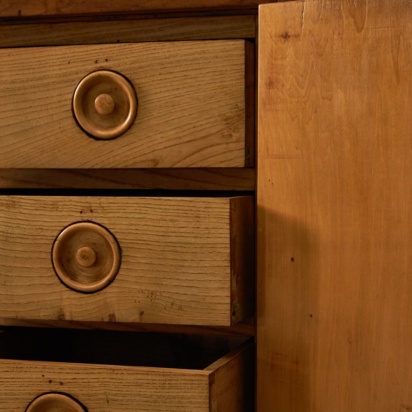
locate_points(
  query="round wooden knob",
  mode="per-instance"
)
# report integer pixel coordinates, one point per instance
(105, 104)
(53, 402)
(86, 257)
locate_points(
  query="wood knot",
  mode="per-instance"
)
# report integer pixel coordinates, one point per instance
(285, 36)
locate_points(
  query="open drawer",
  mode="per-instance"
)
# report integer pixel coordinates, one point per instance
(143, 105)
(125, 371)
(170, 260)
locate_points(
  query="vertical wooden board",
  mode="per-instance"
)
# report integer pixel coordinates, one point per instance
(232, 381)
(242, 257)
(334, 207)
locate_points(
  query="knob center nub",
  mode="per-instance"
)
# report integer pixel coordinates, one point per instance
(104, 104)
(86, 257)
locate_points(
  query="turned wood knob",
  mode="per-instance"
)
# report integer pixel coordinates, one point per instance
(105, 104)
(86, 256)
(53, 402)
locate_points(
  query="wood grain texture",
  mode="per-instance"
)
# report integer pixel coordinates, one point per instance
(232, 381)
(250, 103)
(234, 179)
(108, 388)
(334, 207)
(111, 387)
(40, 8)
(191, 109)
(128, 31)
(177, 259)
(242, 264)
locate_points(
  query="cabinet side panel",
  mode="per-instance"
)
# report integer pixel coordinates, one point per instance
(334, 207)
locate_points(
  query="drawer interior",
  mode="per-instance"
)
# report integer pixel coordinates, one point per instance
(124, 348)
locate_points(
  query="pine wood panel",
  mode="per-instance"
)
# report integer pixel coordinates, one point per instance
(334, 207)
(184, 260)
(191, 110)
(129, 388)
(128, 31)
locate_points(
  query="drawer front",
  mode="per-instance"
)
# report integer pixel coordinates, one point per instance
(104, 388)
(223, 384)
(181, 260)
(190, 106)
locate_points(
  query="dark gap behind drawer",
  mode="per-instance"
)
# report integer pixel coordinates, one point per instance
(114, 347)
(123, 193)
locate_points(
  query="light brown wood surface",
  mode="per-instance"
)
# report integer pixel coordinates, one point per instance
(191, 106)
(128, 31)
(184, 260)
(109, 388)
(334, 195)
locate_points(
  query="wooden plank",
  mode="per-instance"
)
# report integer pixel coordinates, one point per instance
(128, 31)
(191, 110)
(40, 8)
(232, 381)
(233, 179)
(244, 328)
(250, 103)
(334, 207)
(176, 265)
(111, 388)
(243, 264)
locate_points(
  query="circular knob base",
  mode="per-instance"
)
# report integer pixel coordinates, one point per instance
(53, 402)
(86, 257)
(105, 104)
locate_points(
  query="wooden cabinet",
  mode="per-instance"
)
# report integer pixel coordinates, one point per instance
(139, 293)
(333, 194)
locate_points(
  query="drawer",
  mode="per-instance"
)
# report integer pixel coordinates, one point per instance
(190, 105)
(163, 260)
(122, 371)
